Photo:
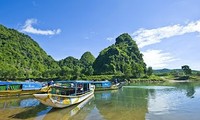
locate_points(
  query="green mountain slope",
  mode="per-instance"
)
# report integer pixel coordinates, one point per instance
(73, 68)
(123, 58)
(87, 60)
(21, 56)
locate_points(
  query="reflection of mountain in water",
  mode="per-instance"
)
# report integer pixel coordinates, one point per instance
(128, 104)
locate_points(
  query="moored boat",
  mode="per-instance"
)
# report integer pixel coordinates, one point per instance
(66, 93)
(19, 88)
(69, 112)
(105, 85)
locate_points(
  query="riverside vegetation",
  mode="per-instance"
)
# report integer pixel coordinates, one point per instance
(22, 58)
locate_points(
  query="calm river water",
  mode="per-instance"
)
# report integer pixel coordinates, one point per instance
(132, 102)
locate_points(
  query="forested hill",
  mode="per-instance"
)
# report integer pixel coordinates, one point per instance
(121, 58)
(21, 56)
(72, 68)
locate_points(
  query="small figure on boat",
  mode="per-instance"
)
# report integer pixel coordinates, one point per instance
(72, 85)
(116, 81)
(50, 83)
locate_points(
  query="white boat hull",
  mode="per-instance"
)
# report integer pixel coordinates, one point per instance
(61, 101)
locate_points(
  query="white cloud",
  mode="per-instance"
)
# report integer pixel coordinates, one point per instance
(28, 28)
(157, 58)
(145, 37)
(110, 39)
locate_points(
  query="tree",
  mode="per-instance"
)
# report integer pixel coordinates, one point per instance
(186, 69)
(198, 73)
(175, 73)
(127, 71)
(89, 70)
(76, 73)
(149, 71)
(87, 60)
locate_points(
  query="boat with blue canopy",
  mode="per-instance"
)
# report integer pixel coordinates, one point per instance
(19, 88)
(105, 85)
(66, 93)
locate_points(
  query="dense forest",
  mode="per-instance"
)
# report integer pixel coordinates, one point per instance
(122, 58)
(22, 58)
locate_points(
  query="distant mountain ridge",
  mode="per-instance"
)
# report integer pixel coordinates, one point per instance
(165, 70)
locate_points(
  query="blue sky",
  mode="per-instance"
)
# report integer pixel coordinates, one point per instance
(166, 31)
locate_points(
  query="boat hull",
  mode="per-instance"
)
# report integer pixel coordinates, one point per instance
(61, 101)
(113, 87)
(18, 92)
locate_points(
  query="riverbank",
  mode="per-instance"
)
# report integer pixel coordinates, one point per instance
(154, 78)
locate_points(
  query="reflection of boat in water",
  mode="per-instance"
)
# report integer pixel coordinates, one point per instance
(66, 113)
(18, 102)
(66, 93)
(105, 95)
(23, 107)
(19, 88)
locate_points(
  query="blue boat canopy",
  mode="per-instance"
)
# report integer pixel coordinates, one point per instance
(9, 83)
(31, 85)
(103, 84)
(73, 81)
(21, 85)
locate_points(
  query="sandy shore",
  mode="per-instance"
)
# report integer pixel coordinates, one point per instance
(179, 80)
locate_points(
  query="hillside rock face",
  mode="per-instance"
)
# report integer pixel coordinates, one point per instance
(123, 58)
(21, 56)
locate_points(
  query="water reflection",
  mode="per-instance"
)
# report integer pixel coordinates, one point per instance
(13, 102)
(167, 102)
(189, 88)
(21, 107)
(122, 105)
(69, 112)
(29, 113)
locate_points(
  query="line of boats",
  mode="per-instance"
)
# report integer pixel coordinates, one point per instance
(19, 88)
(59, 94)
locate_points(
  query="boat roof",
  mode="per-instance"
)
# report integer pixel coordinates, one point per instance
(100, 81)
(16, 82)
(7, 83)
(73, 81)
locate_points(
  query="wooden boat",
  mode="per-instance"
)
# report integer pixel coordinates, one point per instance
(69, 112)
(19, 88)
(65, 93)
(105, 85)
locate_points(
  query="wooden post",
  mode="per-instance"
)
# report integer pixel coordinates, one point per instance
(75, 88)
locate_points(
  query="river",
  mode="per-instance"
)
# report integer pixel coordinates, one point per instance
(131, 102)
